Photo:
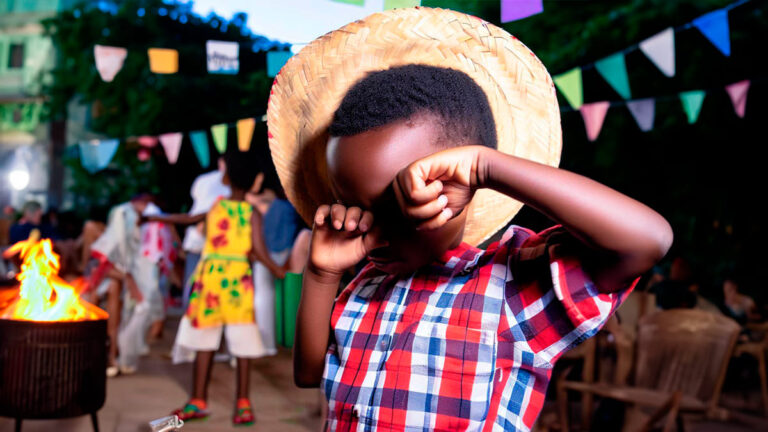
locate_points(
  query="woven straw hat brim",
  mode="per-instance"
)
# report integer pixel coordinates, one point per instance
(311, 85)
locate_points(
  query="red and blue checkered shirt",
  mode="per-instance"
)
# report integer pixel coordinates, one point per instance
(467, 343)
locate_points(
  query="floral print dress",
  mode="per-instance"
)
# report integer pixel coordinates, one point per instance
(222, 284)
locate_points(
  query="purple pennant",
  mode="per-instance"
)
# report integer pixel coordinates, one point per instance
(513, 10)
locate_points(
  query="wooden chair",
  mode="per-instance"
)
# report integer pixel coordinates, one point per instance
(757, 349)
(682, 356)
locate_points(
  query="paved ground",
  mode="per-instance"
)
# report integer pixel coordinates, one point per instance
(159, 387)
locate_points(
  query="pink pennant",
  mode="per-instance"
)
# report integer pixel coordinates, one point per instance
(109, 60)
(171, 143)
(738, 93)
(147, 141)
(594, 115)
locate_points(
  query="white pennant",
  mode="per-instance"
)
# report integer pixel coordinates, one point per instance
(660, 48)
(171, 143)
(643, 110)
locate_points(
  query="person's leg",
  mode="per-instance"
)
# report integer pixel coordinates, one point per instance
(201, 374)
(114, 309)
(243, 410)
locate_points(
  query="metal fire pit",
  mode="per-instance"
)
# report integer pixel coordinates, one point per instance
(51, 370)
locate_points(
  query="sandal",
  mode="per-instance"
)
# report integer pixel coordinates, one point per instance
(191, 412)
(244, 416)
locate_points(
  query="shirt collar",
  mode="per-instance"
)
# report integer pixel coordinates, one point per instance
(464, 252)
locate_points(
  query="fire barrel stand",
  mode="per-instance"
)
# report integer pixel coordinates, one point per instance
(52, 370)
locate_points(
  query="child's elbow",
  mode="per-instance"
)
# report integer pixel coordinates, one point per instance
(663, 241)
(305, 380)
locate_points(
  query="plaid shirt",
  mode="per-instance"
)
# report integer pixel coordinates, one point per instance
(467, 343)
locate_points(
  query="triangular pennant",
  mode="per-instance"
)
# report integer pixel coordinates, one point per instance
(738, 93)
(614, 70)
(397, 4)
(163, 60)
(95, 155)
(692, 101)
(569, 84)
(594, 115)
(276, 60)
(245, 133)
(219, 133)
(200, 145)
(643, 110)
(513, 10)
(714, 26)
(660, 49)
(171, 143)
(223, 57)
(109, 60)
(147, 141)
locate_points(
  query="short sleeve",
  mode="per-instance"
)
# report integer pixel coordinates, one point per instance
(552, 298)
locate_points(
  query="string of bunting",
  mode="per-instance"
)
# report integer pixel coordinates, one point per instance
(644, 110)
(95, 155)
(222, 58)
(660, 50)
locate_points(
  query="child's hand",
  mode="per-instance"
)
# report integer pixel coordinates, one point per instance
(341, 237)
(436, 188)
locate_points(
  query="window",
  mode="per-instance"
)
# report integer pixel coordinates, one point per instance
(16, 56)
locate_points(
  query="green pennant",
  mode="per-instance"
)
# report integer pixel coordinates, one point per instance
(396, 4)
(614, 70)
(692, 101)
(569, 84)
(219, 133)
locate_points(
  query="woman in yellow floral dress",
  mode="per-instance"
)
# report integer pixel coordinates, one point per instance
(221, 301)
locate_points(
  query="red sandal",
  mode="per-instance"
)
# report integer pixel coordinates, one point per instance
(192, 412)
(243, 413)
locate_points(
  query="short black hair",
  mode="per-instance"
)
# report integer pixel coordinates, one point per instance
(241, 169)
(403, 92)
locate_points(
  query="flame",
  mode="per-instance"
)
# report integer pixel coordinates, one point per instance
(43, 295)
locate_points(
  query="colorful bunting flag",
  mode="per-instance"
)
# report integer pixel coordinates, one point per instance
(143, 154)
(738, 93)
(692, 101)
(95, 155)
(223, 57)
(714, 26)
(109, 60)
(276, 60)
(245, 133)
(594, 115)
(513, 10)
(614, 70)
(660, 49)
(396, 4)
(569, 84)
(171, 143)
(643, 110)
(163, 60)
(147, 141)
(200, 145)
(219, 133)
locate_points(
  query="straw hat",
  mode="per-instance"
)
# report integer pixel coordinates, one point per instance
(311, 85)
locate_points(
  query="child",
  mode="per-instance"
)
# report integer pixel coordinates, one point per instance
(221, 300)
(435, 333)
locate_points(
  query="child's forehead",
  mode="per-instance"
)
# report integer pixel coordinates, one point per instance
(362, 166)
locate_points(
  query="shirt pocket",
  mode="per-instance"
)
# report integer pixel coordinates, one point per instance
(447, 373)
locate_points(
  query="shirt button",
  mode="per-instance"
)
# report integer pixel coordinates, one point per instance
(384, 344)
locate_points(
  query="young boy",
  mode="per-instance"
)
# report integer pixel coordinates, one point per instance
(434, 333)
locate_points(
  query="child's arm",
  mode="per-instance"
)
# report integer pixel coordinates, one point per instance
(260, 248)
(623, 238)
(340, 239)
(176, 219)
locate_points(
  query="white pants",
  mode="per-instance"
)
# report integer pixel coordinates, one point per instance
(264, 300)
(138, 317)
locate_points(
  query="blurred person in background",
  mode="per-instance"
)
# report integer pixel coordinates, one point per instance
(31, 219)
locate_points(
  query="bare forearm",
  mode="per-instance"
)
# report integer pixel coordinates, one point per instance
(313, 326)
(599, 216)
(180, 219)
